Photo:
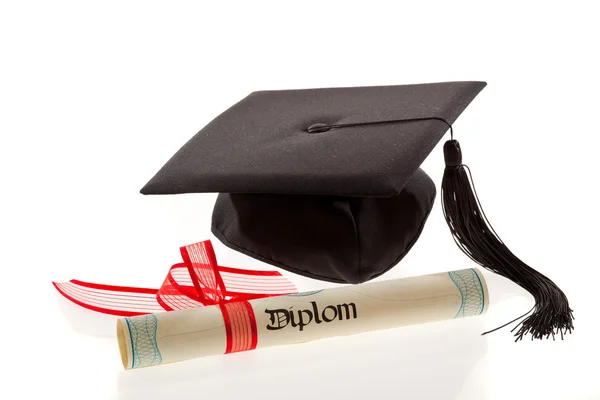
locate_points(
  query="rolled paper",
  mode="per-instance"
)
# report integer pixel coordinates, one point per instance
(229, 327)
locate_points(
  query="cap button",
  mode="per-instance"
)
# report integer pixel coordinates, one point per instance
(318, 128)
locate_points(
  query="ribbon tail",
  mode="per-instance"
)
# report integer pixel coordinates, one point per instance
(121, 301)
(197, 282)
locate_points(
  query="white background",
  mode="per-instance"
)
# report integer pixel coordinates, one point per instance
(96, 96)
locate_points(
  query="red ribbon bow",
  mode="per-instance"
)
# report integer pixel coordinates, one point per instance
(198, 281)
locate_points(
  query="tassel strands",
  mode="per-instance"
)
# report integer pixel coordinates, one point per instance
(474, 235)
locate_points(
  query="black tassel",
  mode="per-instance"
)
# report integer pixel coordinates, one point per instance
(475, 236)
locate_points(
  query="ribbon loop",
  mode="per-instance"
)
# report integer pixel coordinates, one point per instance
(198, 281)
(201, 263)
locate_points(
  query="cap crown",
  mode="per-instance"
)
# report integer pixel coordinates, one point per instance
(262, 143)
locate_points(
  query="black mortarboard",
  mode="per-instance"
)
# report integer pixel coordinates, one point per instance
(326, 182)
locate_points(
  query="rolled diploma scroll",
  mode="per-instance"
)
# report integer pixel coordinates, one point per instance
(185, 334)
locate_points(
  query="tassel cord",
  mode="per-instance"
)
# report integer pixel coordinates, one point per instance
(475, 236)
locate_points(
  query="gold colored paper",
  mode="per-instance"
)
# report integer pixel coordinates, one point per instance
(186, 334)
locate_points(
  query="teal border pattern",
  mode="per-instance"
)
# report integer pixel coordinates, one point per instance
(144, 348)
(471, 290)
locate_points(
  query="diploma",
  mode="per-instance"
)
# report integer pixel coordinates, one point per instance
(168, 337)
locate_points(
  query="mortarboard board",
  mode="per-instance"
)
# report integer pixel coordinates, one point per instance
(327, 183)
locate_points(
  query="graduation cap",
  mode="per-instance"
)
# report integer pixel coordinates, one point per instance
(326, 183)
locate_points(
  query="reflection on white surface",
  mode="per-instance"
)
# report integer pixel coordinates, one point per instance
(426, 361)
(86, 321)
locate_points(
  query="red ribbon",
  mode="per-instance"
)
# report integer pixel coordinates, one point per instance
(199, 281)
